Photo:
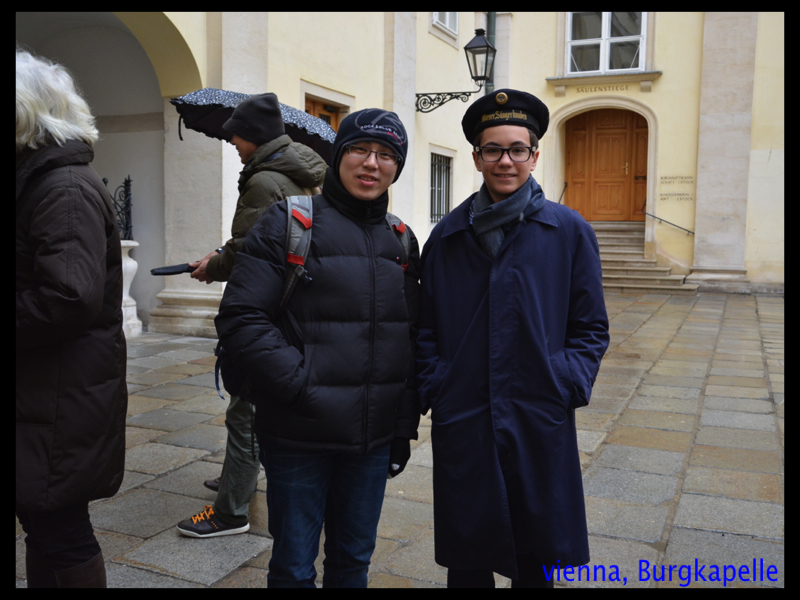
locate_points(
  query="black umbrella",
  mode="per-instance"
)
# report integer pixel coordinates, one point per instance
(206, 110)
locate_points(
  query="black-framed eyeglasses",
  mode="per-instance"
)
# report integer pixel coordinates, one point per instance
(495, 153)
(385, 157)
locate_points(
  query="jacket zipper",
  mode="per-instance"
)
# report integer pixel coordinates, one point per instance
(372, 310)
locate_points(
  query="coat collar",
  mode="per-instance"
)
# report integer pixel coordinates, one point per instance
(458, 219)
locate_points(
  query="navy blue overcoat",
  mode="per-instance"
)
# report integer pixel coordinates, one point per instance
(508, 349)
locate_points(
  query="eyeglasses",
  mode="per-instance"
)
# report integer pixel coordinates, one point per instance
(518, 154)
(385, 157)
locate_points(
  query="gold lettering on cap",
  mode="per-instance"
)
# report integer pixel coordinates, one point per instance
(504, 116)
(501, 98)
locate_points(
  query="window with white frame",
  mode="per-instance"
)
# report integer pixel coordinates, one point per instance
(440, 186)
(601, 43)
(447, 20)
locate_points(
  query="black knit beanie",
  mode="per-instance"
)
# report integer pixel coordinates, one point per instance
(257, 119)
(372, 125)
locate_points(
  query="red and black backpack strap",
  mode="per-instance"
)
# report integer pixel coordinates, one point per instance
(299, 219)
(403, 237)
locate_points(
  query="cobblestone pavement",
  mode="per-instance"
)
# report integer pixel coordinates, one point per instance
(682, 448)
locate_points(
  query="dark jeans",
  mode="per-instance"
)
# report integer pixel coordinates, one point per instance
(344, 490)
(64, 536)
(530, 573)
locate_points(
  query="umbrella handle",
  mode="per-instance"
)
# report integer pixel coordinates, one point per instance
(179, 127)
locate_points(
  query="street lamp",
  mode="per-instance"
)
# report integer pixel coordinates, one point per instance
(480, 60)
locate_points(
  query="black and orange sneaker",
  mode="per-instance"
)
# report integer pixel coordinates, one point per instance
(206, 524)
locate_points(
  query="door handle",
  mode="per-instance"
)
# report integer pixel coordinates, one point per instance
(626, 168)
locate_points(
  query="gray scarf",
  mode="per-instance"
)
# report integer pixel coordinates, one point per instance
(491, 220)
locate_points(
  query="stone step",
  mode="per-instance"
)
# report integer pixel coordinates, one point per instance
(665, 280)
(621, 254)
(603, 226)
(643, 271)
(615, 238)
(633, 248)
(687, 289)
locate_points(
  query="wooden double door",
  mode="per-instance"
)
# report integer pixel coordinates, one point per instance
(606, 165)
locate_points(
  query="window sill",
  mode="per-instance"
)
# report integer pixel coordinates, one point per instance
(645, 80)
(443, 33)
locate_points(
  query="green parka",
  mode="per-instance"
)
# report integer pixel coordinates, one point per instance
(278, 169)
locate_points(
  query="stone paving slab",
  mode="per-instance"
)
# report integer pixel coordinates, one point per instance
(142, 404)
(710, 548)
(172, 391)
(202, 436)
(244, 577)
(737, 420)
(416, 561)
(152, 349)
(414, 483)
(188, 481)
(172, 554)
(738, 405)
(742, 485)
(186, 369)
(659, 404)
(744, 517)
(736, 392)
(647, 460)
(142, 513)
(157, 458)
(167, 419)
(747, 439)
(614, 564)
(626, 520)
(631, 486)
(132, 479)
(588, 418)
(203, 380)
(657, 439)
(124, 576)
(152, 362)
(404, 520)
(657, 420)
(735, 458)
(674, 380)
(208, 403)
(589, 441)
(667, 391)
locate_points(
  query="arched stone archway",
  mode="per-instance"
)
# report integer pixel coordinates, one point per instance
(127, 66)
(555, 167)
(175, 63)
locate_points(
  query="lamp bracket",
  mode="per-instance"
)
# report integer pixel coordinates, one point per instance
(429, 102)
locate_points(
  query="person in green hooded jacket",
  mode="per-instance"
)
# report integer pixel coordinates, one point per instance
(274, 169)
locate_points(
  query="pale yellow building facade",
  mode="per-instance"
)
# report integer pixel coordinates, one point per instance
(676, 115)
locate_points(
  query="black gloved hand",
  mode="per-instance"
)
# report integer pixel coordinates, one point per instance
(399, 454)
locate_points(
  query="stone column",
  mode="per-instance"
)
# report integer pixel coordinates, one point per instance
(201, 176)
(193, 226)
(400, 80)
(723, 154)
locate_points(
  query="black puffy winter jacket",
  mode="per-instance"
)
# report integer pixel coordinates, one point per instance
(345, 382)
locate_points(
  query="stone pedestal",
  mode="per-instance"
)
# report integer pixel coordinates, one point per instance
(186, 312)
(727, 280)
(131, 324)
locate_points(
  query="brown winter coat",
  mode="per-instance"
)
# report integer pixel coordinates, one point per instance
(71, 396)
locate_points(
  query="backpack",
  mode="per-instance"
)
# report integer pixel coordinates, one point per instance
(299, 217)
